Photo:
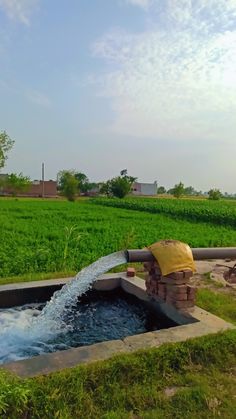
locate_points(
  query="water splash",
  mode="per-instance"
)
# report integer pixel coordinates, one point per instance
(34, 331)
(53, 315)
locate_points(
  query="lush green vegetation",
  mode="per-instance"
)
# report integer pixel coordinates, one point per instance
(193, 379)
(219, 213)
(6, 144)
(217, 303)
(119, 186)
(58, 236)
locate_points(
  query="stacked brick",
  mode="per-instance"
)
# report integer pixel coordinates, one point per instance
(173, 288)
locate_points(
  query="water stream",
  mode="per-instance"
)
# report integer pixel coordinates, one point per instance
(33, 331)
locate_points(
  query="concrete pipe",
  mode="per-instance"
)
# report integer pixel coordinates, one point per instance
(136, 255)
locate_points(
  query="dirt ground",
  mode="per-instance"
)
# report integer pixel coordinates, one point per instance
(211, 274)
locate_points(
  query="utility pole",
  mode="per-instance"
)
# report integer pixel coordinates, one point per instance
(42, 180)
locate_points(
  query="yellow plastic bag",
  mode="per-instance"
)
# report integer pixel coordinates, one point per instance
(172, 256)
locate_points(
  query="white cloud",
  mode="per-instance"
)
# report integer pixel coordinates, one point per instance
(177, 80)
(19, 10)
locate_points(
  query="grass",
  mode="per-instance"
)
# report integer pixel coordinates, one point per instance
(221, 305)
(38, 237)
(36, 276)
(200, 371)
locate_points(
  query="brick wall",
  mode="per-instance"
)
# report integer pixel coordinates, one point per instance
(36, 189)
(173, 288)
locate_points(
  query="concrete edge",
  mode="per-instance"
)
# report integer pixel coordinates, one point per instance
(50, 282)
(203, 323)
(58, 361)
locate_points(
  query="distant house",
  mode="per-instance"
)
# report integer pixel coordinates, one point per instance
(38, 188)
(94, 191)
(145, 189)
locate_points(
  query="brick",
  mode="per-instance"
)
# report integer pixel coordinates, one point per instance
(156, 263)
(188, 274)
(171, 281)
(177, 292)
(155, 288)
(130, 272)
(175, 275)
(176, 288)
(169, 300)
(153, 281)
(148, 286)
(181, 297)
(148, 265)
(174, 302)
(191, 290)
(162, 287)
(152, 286)
(177, 295)
(157, 271)
(183, 304)
(191, 298)
(162, 295)
(147, 280)
(153, 277)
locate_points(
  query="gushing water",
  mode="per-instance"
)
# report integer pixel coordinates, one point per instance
(28, 332)
(52, 316)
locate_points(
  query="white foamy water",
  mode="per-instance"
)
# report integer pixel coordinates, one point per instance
(24, 333)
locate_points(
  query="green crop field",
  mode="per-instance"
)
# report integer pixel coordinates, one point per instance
(215, 212)
(61, 237)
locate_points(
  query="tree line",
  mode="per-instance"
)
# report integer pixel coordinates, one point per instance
(72, 183)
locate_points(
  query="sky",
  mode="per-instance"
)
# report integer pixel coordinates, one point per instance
(104, 85)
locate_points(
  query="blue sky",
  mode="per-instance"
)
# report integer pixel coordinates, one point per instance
(102, 85)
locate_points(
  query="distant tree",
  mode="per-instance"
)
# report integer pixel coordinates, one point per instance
(119, 186)
(214, 194)
(6, 143)
(161, 190)
(200, 193)
(178, 190)
(189, 190)
(84, 185)
(17, 183)
(105, 188)
(82, 181)
(124, 172)
(68, 184)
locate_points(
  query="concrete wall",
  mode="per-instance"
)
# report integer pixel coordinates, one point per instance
(146, 189)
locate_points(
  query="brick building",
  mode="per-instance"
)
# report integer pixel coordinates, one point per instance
(37, 189)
